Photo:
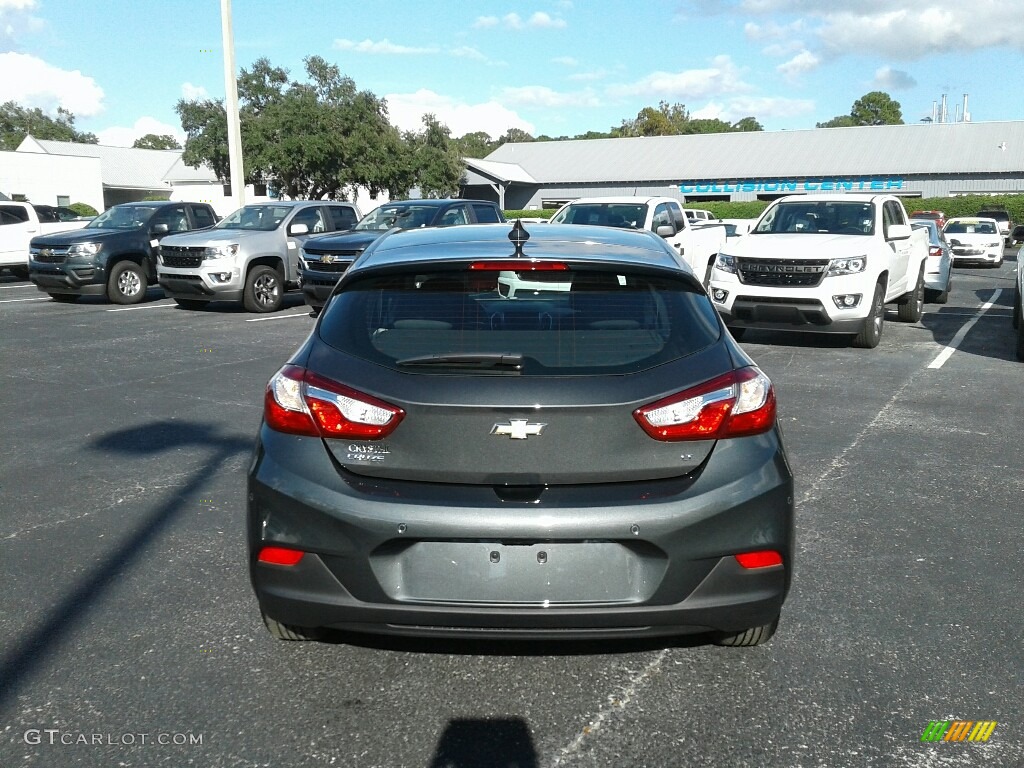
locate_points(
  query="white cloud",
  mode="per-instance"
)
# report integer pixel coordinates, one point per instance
(406, 111)
(468, 52)
(191, 92)
(17, 5)
(803, 62)
(889, 79)
(538, 20)
(772, 30)
(565, 61)
(32, 82)
(542, 96)
(723, 77)
(759, 107)
(597, 74)
(384, 46)
(117, 136)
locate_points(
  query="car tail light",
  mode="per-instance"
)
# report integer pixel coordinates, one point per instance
(739, 403)
(301, 402)
(519, 265)
(280, 556)
(765, 558)
(934, 251)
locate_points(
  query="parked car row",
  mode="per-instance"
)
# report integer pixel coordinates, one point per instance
(19, 223)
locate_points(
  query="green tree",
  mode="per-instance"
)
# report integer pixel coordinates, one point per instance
(515, 136)
(156, 141)
(475, 144)
(707, 125)
(874, 108)
(439, 168)
(17, 122)
(664, 120)
(206, 129)
(747, 124)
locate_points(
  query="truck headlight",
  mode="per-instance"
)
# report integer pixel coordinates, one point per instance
(726, 263)
(846, 266)
(84, 249)
(220, 251)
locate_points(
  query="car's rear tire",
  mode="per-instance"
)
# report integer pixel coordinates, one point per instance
(748, 637)
(64, 298)
(264, 289)
(289, 632)
(19, 272)
(127, 283)
(871, 333)
(912, 309)
(191, 303)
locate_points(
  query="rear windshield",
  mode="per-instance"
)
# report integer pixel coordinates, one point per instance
(970, 228)
(531, 323)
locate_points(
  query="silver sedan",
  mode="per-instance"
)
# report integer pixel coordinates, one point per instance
(938, 269)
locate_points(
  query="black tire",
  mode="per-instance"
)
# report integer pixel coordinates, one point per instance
(737, 333)
(19, 272)
(874, 323)
(1018, 309)
(191, 303)
(287, 631)
(64, 298)
(127, 283)
(943, 296)
(913, 308)
(264, 289)
(748, 637)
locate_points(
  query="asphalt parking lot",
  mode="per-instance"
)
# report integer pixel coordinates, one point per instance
(127, 619)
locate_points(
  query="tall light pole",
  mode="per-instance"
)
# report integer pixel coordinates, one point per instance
(231, 107)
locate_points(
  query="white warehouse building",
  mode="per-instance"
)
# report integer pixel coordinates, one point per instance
(920, 160)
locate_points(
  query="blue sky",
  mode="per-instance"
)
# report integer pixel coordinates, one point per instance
(559, 67)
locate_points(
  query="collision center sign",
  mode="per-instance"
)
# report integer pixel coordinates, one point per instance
(810, 184)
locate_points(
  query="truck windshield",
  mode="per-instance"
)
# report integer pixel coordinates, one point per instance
(264, 218)
(628, 215)
(821, 217)
(123, 217)
(403, 216)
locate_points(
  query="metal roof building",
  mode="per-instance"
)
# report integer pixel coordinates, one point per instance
(920, 160)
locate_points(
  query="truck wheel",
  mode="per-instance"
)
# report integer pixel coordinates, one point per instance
(191, 303)
(19, 272)
(264, 290)
(912, 310)
(127, 283)
(871, 333)
(287, 631)
(749, 637)
(64, 298)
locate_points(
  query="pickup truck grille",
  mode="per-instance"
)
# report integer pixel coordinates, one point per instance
(333, 266)
(331, 261)
(176, 256)
(49, 255)
(802, 272)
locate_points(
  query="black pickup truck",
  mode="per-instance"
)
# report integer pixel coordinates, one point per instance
(323, 259)
(114, 255)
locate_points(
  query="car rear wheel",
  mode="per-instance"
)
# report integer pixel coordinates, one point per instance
(264, 290)
(871, 333)
(749, 637)
(127, 283)
(19, 272)
(64, 298)
(289, 632)
(191, 303)
(913, 308)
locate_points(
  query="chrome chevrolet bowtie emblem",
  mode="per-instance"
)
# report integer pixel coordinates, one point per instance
(517, 429)
(327, 258)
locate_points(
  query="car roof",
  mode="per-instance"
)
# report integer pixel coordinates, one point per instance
(830, 197)
(472, 242)
(433, 202)
(621, 199)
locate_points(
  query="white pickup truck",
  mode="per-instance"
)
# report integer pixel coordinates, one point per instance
(697, 245)
(19, 223)
(826, 264)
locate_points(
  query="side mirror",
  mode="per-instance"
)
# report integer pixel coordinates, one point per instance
(665, 230)
(161, 229)
(898, 232)
(298, 229)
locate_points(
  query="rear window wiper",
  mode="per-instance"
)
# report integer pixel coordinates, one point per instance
(479, 360)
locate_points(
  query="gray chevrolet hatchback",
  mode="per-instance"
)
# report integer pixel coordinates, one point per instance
(499, 433)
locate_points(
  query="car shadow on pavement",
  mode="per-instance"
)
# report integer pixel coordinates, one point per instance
(46, 636)
(991, 337)
(497, 743)
(288, 301)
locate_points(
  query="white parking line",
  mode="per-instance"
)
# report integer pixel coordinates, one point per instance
(11, 301)
(279, 317)
(947, 353)
(27, 285)
(148, 306)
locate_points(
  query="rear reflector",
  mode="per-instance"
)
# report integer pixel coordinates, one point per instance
(519, 265)
(766, 558)
(280, 556)
(736, 404)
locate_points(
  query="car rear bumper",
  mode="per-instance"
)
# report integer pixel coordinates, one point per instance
(608, 560)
